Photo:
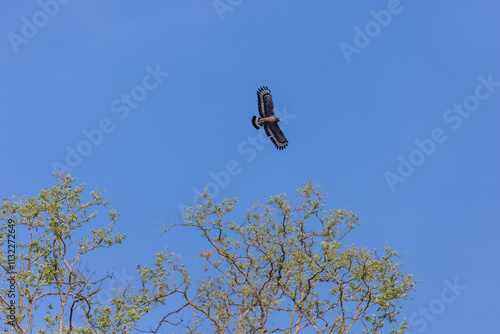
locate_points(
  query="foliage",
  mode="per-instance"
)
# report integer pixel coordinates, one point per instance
(287, 259)
(52, 278)
(284, 268)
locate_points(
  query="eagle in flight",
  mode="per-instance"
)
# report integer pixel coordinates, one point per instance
(267, 118)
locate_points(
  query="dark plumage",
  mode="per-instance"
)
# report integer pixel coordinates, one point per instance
(267, 118)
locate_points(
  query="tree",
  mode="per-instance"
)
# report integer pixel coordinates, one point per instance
(286, 261)
(50, 276)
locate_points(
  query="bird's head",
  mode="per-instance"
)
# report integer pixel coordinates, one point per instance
(279, 120)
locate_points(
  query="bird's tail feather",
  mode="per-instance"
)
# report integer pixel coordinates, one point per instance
(255, 122)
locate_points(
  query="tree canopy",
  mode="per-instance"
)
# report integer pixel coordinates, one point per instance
(53, 286)
(283, 267)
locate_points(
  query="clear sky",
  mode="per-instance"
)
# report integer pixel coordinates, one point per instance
(392, 107)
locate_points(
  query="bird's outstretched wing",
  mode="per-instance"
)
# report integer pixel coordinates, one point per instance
(276, 135)
(265, 101)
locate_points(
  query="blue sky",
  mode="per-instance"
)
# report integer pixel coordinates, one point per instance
(392, 107)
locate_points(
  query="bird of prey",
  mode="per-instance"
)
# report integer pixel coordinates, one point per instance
(267, 118)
